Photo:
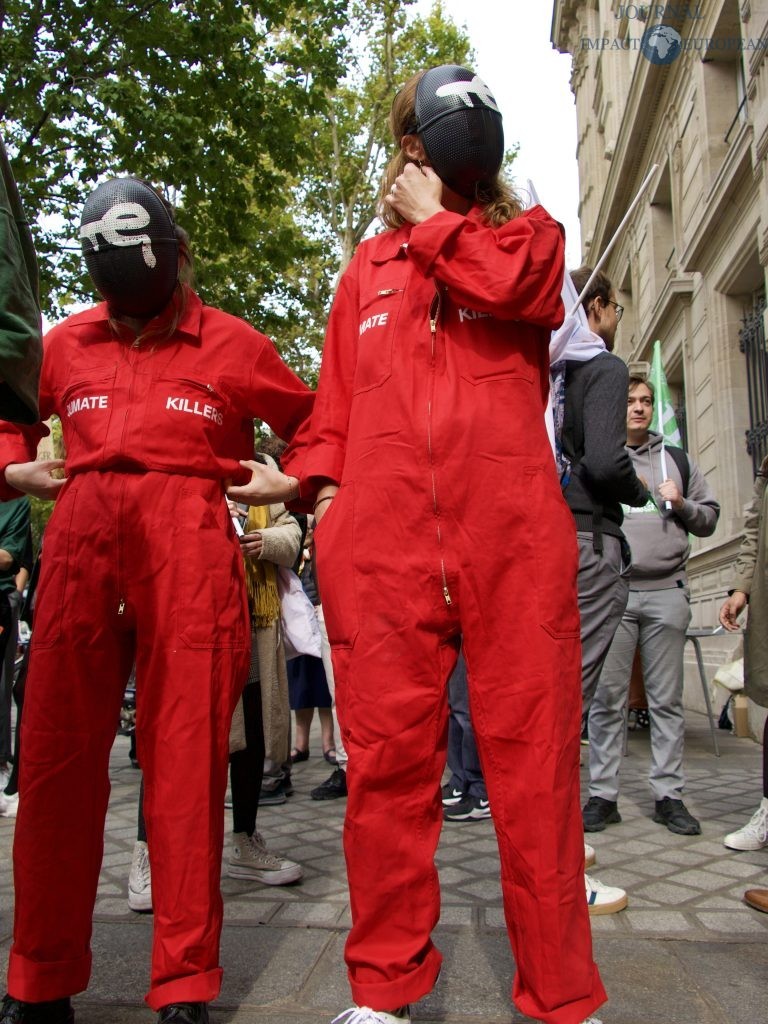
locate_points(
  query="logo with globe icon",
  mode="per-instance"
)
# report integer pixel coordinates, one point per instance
(661, 44)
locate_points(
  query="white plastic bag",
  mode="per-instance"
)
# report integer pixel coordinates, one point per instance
(301, 632)
(731, 676)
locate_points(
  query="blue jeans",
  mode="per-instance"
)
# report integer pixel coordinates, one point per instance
(463, 760)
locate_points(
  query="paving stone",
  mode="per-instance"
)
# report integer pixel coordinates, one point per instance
(663, 921)
(686, 950)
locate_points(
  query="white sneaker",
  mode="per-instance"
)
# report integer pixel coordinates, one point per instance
(140, 880)
(754, 835)
(251, 859)
(603, 899)
(5, 774)
(590, 857)
(591, 1020)
(9, 805)
(365, 1015)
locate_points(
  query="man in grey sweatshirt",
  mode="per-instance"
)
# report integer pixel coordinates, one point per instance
(657, 616)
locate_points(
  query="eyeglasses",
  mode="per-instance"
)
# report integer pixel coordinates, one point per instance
(619, 309)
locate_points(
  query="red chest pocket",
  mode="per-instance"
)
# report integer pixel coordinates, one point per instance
(187, 421)
(379, 313)
(87, 406)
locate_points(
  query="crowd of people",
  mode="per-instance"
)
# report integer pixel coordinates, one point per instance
(430, 410)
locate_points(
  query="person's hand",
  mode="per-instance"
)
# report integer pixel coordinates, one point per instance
(416, 194)
(266, 486)
(36, 478)
(731, 610)
(669, 491)
(252, 544)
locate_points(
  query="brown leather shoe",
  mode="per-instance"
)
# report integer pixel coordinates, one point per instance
(757, 898)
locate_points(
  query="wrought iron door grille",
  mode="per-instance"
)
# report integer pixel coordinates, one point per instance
(752, 344)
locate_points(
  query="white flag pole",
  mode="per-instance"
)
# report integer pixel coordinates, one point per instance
(664, 474)
(616, 234)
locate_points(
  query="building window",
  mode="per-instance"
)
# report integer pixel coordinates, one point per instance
(752, 344)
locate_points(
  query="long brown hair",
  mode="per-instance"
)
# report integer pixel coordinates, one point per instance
(498, 199)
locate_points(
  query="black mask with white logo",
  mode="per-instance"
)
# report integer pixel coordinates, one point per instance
(460, 126)
(130, 246)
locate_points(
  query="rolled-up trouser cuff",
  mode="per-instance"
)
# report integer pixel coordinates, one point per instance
(195, 988)
(390, 995)
(34, 982)
(572, 1013)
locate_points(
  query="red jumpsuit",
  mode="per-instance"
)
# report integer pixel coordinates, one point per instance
(140, 561)
(449, 521)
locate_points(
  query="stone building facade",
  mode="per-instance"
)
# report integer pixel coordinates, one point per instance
(684, 86)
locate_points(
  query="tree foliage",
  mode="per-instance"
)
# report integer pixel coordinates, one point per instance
(266, 123)
(207, 97)
(336, 198)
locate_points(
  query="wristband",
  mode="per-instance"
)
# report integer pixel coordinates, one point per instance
(328, 497)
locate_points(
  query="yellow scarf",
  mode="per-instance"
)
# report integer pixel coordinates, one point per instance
(261, 577)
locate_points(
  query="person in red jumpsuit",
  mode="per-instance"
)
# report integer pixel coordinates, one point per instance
(156, 393)
(440, 517)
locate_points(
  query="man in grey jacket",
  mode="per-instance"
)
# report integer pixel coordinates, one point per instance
(657, 615)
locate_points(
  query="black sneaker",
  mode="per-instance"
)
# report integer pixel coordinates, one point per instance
(274, 795)
(57, 1011)
(676, 816)
(333, 787)
(597, 813)
(451, 795)
(470, 808)
(184, 1013)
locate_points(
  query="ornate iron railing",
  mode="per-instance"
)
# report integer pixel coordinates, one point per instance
(752, 344)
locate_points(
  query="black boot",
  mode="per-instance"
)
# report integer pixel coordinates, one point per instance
(56, 1011)
(184, 1013)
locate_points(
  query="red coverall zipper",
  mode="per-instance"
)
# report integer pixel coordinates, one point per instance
(434, 314)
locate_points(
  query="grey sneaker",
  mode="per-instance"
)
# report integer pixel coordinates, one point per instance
(140, 880)
(251, 859)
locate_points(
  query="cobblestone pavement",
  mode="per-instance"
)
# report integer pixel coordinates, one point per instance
(686, 950)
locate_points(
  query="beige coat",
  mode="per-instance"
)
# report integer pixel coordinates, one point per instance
(282, 543)
(751, 577)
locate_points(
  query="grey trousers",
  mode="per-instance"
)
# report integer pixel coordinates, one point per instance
(658, 619)
(603, 586)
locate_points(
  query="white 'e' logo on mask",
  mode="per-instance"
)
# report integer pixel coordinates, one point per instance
(118, 226)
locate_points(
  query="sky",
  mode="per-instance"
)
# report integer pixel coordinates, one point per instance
(530, 81)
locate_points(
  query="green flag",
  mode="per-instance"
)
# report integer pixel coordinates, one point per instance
(663, 421)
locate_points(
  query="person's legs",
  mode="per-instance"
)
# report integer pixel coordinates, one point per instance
(527, 732)
(246, 767)
(603, 588)
(79, 665)
(393, 715)
(606, 714)
(335, 786)
(7, 643)
(666, 615)
(463, 759)
(19, 685)
(192, 659)
(326, 729)
(304, 718)
(183, 746)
